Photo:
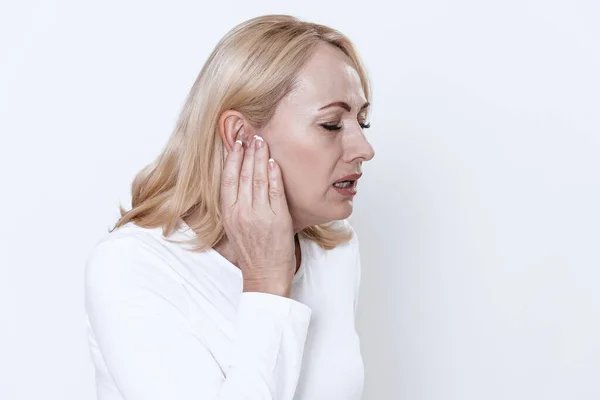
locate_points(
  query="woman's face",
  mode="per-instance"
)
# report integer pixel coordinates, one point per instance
(311, 156)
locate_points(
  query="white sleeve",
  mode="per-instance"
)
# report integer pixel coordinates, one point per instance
(138, 312)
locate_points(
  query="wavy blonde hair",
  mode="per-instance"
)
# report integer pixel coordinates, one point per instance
(250, 70)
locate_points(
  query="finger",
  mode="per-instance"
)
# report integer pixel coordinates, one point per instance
(246, 174)
(277, 197)
(260, 189)
(230, 176)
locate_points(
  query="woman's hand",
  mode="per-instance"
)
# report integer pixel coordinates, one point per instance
(257, 220)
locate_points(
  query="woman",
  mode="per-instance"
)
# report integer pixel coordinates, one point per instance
(235, 275)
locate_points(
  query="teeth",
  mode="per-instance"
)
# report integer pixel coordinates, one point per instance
(342, 185)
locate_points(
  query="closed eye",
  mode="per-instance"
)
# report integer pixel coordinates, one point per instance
(331, 127)
(334, 127)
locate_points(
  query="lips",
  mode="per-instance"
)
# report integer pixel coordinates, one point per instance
(345, 185)
(346, 188)
(351, 178)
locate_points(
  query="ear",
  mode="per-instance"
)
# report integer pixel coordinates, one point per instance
(232, 126)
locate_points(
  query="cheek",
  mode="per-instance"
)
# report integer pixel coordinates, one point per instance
(305, 173)
(300, 168)
(308, 185)
(307, 159)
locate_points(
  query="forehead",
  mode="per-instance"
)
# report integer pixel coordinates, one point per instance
(328, 75)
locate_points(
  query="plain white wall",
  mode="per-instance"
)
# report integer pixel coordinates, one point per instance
(478, 217)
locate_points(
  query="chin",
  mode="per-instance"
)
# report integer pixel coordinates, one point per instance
(329, 209)
(341, 210)
(328, 213)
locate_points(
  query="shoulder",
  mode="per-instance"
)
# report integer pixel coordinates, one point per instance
(127, 254)
(129, 278)
(127, 241)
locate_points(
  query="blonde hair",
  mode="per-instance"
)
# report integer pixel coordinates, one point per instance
(250, 70)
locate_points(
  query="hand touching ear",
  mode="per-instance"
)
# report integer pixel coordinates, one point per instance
(256, 217)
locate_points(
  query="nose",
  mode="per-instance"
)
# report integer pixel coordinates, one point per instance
(357, 147)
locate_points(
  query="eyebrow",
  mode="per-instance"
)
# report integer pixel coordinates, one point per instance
(344, 105)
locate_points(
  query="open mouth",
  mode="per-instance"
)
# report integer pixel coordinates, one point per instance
(345, 184)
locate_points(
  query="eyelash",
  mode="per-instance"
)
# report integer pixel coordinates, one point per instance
(337, 127)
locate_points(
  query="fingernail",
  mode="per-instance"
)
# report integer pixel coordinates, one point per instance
(237, 146)
(259, 143)
(271, 163)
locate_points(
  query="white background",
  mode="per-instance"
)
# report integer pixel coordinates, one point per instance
(478, 218)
